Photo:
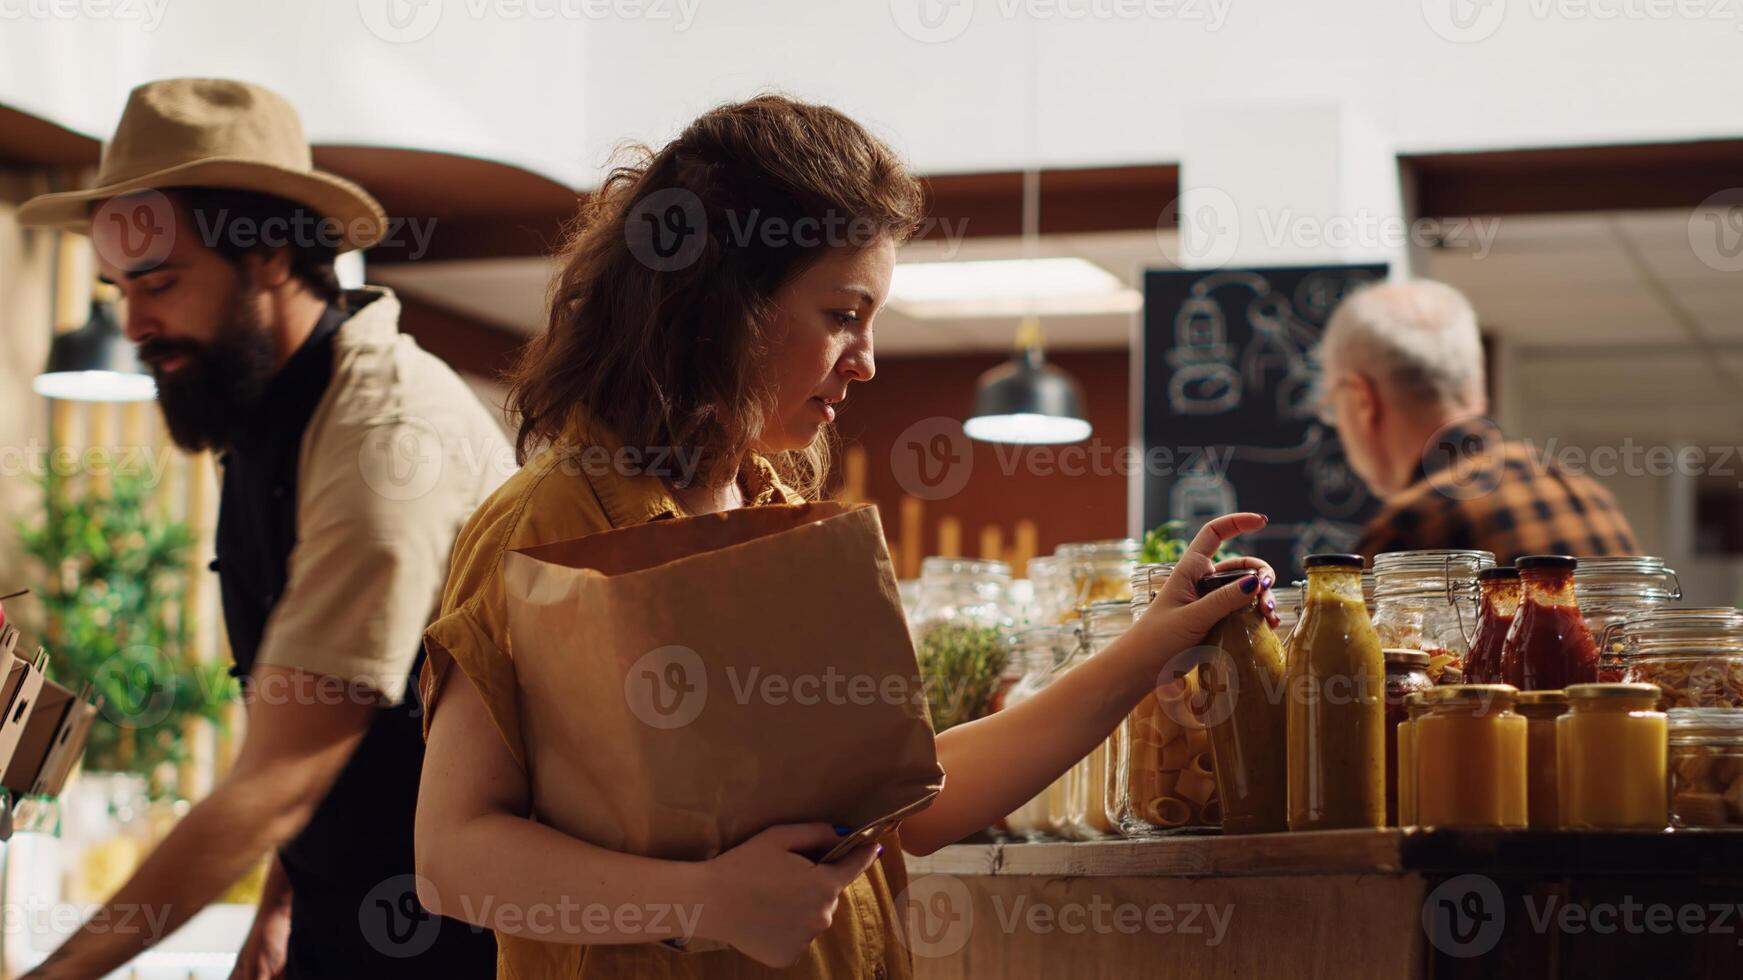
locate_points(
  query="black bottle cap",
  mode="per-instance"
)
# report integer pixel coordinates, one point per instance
(1497, 573)
(1333, 561)
(1547, 561)
(1211, 583)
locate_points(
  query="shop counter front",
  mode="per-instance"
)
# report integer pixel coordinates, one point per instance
(1335, 905)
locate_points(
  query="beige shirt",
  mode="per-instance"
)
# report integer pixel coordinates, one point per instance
(396, 457)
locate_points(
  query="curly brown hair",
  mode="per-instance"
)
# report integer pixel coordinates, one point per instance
(662, 334)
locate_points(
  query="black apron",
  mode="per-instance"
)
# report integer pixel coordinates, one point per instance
(354, 910)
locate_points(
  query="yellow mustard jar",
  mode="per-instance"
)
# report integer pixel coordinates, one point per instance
(1611, 750)
(1542, 791)
(1414, 707)
(1470, 758)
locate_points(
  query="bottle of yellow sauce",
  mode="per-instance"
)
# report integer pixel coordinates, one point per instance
(1541, 709)
(1470, 758)
(1336, 715)
(1611, 747)
(1415, 707)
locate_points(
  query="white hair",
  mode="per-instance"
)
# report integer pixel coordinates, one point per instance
(1419, 339)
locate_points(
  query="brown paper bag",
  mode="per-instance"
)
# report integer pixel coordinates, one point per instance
(686, 684)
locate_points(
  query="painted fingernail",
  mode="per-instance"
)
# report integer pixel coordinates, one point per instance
(1270, 603)
(1250, 585)
(1265, 582)
(880, 849)
(841, 831)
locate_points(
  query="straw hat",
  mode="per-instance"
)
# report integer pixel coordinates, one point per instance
(201, 132)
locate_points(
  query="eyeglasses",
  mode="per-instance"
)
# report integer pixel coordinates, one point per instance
(1325, 403)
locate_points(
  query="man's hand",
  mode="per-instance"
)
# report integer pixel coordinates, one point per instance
(263, 954)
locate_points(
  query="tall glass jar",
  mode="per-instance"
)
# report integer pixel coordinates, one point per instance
(1243, 708)
(1499, 605)
(1693, 654)
(1612, 589)
(1612, 746)
(959, 627)
(1548, 647)
(1059, 793)
(1425, 600)
(1406, 674)
(1097, 570)
(1706, 767)
(1470, 758)
(1288, 598)
(1155, 752)
(1336, 704)
(1051, 588)
(1542, 786)
(1094, 779)
(1041, 649)
(1147, 580)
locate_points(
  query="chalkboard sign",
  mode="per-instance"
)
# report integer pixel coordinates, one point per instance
(1228, 407)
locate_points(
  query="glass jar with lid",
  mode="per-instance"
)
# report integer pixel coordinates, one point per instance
(1051, 589)
(1612, 589)
(1470, 758)
(1093, 781)
(1244, 711)
(1542, 789)
(1406, 674)
(959, 626)
(1611, 749)
(1499, 605)
(1706, 767)
(1147, 579)
(1097, 570)
(1335, 704)
(1288, 599)
(1427, 600)
(1161, 746)
(1693, 654)
(1041, 650)
(1548, 648)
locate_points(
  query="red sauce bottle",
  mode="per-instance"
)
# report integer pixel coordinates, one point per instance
(1500, 603)
(1549, 646)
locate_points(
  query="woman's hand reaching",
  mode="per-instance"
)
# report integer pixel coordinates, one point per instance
(1179, 618)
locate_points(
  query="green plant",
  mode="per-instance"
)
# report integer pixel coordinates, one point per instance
(1166, 542)
(113, 577)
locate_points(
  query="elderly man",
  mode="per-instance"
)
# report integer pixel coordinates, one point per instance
(1404, 387)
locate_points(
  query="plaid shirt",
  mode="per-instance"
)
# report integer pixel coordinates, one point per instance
(1476, 489)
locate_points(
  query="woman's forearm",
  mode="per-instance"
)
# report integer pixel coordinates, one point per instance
(522, 878)
(997, 763)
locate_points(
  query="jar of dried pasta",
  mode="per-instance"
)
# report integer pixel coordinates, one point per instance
(1694, 655)
(1097, 570)
(1164, 776)
(1706, 767)
(1427, 601)
(1611, 590)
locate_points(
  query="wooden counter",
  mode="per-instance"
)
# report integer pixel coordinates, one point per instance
(1340, 904)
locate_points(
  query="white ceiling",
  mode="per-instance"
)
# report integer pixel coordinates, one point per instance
(1546, 280)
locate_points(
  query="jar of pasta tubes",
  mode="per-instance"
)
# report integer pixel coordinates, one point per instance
(1694, 655)
(1165, 778)
(1706, 767)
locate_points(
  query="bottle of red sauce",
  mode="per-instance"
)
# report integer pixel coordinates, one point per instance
(1549, 646)
(1500, 602)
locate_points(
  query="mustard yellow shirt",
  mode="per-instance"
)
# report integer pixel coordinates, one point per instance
(563, 493)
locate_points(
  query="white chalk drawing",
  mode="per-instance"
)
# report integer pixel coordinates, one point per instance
(1212, 374)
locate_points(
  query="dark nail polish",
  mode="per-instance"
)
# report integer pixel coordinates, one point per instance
(1265, 582)
(1251, 584)
(1270, 603)
(880, 849)
(841, 831)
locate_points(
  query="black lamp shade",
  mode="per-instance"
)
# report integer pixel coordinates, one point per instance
(95, 362)
(1027, 400)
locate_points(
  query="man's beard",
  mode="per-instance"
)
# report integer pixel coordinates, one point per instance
(220, 382)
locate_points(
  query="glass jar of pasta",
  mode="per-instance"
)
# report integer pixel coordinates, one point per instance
(1542, 785)
(1470, 758)
(1097, 570)
(1164, 777)
(959, 626)
(1094, 779)
(1610, 590)
(1427, 600)
(1611, 749)
(1041, 649)
(1694, 655)
(1706, 767)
